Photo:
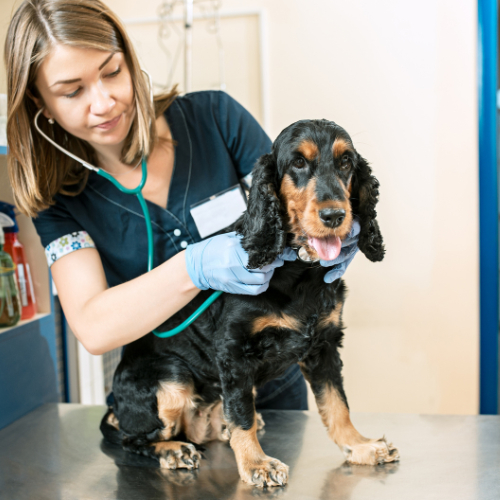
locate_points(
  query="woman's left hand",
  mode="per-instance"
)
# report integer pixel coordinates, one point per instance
(347, 253)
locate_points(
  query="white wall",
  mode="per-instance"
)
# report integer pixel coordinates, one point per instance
(401, 78)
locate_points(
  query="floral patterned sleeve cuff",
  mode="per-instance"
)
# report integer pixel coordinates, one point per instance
(67, 244)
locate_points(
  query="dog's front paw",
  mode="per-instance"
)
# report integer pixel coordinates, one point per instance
(177, 455)
(268, 472)
(373, 452)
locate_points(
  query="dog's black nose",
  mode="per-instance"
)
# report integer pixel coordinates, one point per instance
(332, 217)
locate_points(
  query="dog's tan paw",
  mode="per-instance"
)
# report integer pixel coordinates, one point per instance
(177, 455)
(373, 452)
(269, 472)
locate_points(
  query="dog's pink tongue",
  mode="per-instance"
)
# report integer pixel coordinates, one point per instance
(326, 248)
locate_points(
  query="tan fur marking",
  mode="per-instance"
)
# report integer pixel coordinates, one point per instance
(340, 146)
(308, 149)
(275, 321)
(181, 410)
(204, 423)
(196, 423)
(246, 446)
(163, 446)
(335, 416)
(254, 466)
(303, 211)
(218, 426)
(333, 318)
(172, 399)
(358, 449)
(113, 421)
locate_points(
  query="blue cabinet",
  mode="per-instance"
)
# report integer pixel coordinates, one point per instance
(28, 368)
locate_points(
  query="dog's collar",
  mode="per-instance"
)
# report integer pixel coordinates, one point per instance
(304, 256)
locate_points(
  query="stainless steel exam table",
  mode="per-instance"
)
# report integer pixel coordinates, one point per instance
(56, 452)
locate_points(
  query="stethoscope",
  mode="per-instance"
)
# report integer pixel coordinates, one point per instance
(137, 191)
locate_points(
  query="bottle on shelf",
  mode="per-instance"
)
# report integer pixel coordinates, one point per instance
(10, 306)
(23, 274)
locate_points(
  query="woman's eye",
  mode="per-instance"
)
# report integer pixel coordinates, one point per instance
(73, 94)
(299, 162)
(111, 75)
(345, 162)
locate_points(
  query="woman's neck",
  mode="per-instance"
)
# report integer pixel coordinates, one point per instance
(108, 157)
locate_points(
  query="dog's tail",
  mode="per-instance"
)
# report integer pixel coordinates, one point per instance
(110, 428)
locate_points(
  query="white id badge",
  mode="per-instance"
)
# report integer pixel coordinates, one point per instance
(218, 211)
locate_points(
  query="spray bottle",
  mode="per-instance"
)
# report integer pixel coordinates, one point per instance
(23, 274)
(10, 306)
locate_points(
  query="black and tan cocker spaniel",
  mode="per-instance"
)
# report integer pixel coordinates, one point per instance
(201, 384)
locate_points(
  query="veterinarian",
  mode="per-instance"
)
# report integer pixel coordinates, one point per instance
(74, 60)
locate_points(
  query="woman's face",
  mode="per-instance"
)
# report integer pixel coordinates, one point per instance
(89, 93)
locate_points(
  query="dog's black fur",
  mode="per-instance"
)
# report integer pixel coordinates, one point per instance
(224, 353)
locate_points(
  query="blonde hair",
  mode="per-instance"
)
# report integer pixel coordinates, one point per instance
(37, 170)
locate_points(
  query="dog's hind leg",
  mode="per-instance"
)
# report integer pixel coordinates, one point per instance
(151, 399)
(174, 401)
(323, 371)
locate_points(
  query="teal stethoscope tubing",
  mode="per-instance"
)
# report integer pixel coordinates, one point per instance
(137, 191)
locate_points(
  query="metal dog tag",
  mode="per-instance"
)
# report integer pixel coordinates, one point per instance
(218, 211)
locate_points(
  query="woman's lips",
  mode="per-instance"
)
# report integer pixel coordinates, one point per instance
(109, 125)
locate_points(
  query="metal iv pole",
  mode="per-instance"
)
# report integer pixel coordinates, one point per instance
(188, 45)
(168, 26)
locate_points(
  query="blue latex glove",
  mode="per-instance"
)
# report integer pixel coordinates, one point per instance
(220, 263)
(348, 251)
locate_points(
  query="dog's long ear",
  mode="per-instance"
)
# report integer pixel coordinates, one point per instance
(263, 225)
(364, 198)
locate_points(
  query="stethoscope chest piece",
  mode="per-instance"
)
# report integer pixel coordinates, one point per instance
(305, 257)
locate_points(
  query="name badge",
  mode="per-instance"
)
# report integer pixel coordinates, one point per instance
(219, 211)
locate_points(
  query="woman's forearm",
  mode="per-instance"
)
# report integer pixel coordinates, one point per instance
(124, 313)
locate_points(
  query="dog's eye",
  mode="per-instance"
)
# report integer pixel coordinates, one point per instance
(345, 163)
(299, 162)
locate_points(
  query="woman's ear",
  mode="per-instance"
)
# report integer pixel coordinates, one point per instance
(38, 103)
(262, 225)
(364, 198)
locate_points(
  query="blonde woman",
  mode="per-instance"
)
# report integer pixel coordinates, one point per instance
(73, 60)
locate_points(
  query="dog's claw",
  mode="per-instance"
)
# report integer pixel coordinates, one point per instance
(175, 455)
(270, 472)
(373, 452)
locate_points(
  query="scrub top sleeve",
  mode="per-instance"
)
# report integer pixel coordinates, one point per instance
(54, 222)
(60, 233)
(245, 139)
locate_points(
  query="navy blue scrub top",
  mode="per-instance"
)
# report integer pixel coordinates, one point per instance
(217, 144)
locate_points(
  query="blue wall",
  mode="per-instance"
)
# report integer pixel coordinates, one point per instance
(488, 206)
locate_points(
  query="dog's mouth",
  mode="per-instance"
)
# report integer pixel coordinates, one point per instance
(327, 248)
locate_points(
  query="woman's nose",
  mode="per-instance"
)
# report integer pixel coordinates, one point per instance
(102, 102)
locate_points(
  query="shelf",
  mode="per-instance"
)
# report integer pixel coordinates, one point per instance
(37, 317)
(3, 150)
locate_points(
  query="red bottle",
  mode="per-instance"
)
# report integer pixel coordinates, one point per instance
(23, 275)
(26, 293)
